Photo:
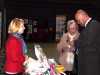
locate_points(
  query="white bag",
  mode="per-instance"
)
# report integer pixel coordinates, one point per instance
(70, 58)
(67, 60)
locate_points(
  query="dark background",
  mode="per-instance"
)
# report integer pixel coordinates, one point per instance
(45, 11)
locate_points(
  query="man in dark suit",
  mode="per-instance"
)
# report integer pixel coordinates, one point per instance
(89, 44)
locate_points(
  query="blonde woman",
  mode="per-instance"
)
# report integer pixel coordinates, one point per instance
(15, 48)
(66, 46)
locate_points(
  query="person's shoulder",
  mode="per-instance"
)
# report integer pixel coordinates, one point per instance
(65, 34)
(12, 39)
(95, 24)
(95, 21)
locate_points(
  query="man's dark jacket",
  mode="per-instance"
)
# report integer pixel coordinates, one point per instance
(89, 49)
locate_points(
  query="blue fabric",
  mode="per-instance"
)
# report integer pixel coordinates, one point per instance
(24, 46)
